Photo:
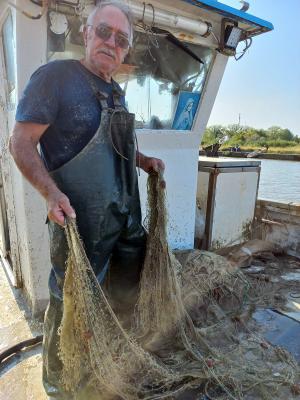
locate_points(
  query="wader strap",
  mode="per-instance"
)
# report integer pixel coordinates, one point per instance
(101, 96)
(117, 95)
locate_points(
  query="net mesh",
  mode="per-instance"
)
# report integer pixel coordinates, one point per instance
(183, 335)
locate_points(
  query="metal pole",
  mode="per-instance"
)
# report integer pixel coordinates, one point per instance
(147, 13)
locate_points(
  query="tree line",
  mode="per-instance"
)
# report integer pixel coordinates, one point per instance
(245, 136)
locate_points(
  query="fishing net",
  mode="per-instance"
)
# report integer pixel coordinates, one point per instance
(189, 333)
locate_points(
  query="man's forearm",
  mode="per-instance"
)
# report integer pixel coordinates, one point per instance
(30, 164)
(23, 147)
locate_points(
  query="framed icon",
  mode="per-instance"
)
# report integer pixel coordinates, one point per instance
(186, 109)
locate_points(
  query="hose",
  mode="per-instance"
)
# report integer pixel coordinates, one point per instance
(20, 346)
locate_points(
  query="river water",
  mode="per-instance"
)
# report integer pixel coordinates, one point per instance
(280, 180)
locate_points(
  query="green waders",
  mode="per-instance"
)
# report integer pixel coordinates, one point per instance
(101, 183)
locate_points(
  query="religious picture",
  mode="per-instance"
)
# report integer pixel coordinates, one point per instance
(186, 110)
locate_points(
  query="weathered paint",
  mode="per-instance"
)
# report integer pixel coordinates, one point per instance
(234, 206)
(279, 222)
(228, 200)
(180, 154)
(30, 54)
(6, 122)
(26, 210)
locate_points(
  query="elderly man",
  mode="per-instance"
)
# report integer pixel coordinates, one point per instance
(76, 112)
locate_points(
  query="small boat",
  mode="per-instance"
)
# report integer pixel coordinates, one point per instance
(254, 154)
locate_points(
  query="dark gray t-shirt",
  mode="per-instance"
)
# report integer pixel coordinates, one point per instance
(59, 94)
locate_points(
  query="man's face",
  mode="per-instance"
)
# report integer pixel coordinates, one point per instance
(105, 55)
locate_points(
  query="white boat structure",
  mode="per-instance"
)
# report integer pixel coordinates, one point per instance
(188, 55)
(181, 49)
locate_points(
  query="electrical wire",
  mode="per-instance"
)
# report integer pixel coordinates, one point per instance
(248, 43)
(215, 37)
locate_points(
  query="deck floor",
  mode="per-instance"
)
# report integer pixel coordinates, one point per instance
(21, 375)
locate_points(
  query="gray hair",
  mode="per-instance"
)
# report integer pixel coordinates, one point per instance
(118, 4)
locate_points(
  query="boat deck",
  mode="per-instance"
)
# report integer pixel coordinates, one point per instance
(20, 375)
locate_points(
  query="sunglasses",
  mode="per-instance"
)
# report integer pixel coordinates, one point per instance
(104, 33)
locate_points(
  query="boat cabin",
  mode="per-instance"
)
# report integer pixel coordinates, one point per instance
(171, 79)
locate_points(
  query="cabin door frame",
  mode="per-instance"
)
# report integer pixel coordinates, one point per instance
(9, 250)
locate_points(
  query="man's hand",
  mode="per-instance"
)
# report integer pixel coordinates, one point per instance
(149, 164)
(59, 207)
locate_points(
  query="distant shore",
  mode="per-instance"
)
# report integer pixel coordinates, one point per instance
(266, 156)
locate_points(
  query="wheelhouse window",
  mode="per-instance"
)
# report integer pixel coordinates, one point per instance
(162, 76)
(158, 76)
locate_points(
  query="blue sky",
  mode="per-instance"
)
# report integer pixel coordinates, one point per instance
(264, 86)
